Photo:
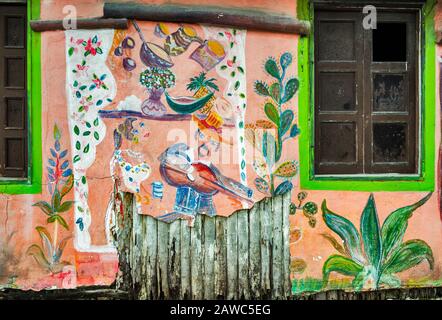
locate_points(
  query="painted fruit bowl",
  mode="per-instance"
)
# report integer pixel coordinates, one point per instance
(185, 105)
(153, 55)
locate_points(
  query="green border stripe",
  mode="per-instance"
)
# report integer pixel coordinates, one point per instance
(33, 184)
(424, 182)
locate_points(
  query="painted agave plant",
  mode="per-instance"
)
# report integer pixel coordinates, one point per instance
(48, 255)
(61, 181)
(376, 254)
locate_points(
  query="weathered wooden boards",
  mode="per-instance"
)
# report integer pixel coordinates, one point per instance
(222, 16)
(92, 23)
(244, 256)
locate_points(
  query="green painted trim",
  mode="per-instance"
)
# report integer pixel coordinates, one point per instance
(33, 184)
(426, 180)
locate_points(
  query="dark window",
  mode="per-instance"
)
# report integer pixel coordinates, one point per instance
(366, 107)
(13, 122)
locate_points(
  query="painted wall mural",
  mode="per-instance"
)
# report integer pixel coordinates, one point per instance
(195, 120)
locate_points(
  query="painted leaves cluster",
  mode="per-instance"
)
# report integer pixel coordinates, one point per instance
(373, 256)
(269, 135)
(61, 181)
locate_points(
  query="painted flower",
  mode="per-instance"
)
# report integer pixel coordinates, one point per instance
(92, 47)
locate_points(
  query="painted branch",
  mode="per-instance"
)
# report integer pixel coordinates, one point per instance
(221, 16)
(117, 114)
(93, 23)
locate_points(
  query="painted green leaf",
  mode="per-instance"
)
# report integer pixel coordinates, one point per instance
(44, 206)
(71, 51)
(76, 130)
(67, 186)
(269, 148)
(335, 243)
(77, 158)
(46, 240)
(56, 199)
(371, 233)
(346, 231)
(275, 92)
(96, 136)
(272, 113)
(396, 224)
(241, 69)
(340, 264)
(272, 68)
(96, 122)
(390, 280)
(65, 206)
(78, 145)
(37, 252)
(86, 133)
(291, 87)
(288, 169)
(60, 248)
(262, 89)
(61, 221)
(286, 121)
(57, 134)
(86, 149)
(237, 84)
(408, 255)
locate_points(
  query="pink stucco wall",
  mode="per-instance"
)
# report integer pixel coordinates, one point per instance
(17, 214)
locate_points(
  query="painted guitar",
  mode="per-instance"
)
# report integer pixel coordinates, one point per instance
(205, 179)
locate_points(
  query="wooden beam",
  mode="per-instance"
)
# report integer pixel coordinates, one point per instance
(92, 23)
(220, 16)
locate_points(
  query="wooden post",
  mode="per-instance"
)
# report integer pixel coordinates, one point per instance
(92, 23)
(221, 16)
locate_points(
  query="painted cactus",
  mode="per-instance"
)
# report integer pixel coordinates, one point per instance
(376, 254)
(277, 129)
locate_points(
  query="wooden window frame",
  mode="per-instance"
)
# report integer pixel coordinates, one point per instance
(424, 180)
(32, 184)
(363, 117)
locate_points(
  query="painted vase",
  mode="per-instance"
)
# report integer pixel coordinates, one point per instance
(153, 106)
(209, 54)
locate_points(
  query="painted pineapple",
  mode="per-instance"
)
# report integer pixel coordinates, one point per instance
(202, 87)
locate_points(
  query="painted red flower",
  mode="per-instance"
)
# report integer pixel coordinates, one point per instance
(89, 47)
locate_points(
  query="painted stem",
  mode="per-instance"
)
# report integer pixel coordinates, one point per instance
(54, 242)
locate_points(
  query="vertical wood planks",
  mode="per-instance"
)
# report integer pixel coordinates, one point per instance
(150, 241)
(243, 255)
(209, 257)
(266, 246)
(186, 288)
(163, 256)
(286, 201)
(254, 252)
(221, 258)
(174, 262)
(196, 259)
(277, 252)
(232, 257)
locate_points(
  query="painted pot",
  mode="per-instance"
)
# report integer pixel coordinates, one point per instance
(179, 41)
(209, 54)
